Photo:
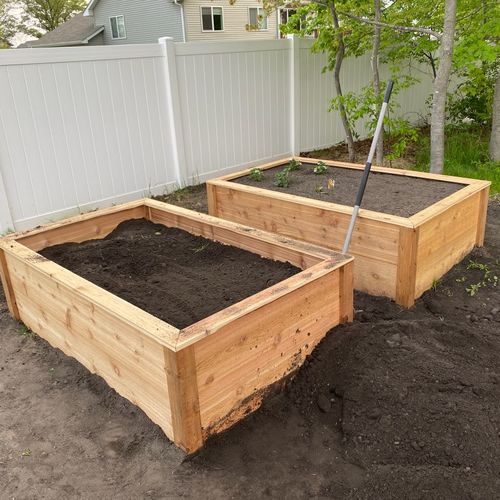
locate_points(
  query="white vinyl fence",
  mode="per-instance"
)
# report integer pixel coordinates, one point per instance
(82, 128)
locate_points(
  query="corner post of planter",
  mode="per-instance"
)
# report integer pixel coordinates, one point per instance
(406, 276)
(7, 286)
(173, 111)
(483, 210)
(295, 94)
(180, 368)
(346, 293)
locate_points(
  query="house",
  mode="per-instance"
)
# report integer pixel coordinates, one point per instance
(79, 30)
(120, 22)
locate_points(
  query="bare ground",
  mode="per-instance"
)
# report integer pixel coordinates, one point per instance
(399, 404)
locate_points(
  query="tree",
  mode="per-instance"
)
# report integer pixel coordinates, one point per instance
(40, 16)
(440, 87)
(376, 75)
(7, 26)
(495, 123)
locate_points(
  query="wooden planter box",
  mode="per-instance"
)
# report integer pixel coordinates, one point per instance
(199, 380)
(396, 257)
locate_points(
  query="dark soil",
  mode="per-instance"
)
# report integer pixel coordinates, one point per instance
(177, 277)
(400, 404)
(391, 194)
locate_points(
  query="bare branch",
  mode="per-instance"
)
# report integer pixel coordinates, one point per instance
(408, 29)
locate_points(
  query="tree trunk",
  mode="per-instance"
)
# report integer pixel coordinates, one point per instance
(495, 125)
(376, 76)
(440, 87)
(338, 88)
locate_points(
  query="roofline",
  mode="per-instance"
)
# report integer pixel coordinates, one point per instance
(85, 41)
(88, 10)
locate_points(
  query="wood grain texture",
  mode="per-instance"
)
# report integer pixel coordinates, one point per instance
(445, 240)
(263, 346)
(7, 286)
(89, 226)
(182, 383)
(125, 356)
(407, 266)
(482, 214)
(374, 243)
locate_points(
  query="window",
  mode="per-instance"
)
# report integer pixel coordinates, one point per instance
(258, 18)
(117, 27)
(211, 19)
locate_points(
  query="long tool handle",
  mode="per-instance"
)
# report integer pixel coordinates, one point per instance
(368, 166)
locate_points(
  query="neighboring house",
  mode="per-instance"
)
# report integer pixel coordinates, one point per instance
(108, 22)
(79, 30)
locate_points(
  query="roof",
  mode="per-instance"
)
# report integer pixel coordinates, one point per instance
(76, 31)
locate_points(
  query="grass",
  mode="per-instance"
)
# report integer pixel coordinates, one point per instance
(466, 154)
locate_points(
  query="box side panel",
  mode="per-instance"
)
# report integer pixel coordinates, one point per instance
(81, 228)
(374, 243)
(482, 215)
(236, 364)
(445, 240)
(130, 362)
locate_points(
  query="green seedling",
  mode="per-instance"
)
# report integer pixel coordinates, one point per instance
(26, 452)
(201, 248)
(25, 332)
(282, 179)
(319, 189)
(473, 289)
(256, 174)
(436, 284)
(294, 165)
(320, 168)
(460, 280)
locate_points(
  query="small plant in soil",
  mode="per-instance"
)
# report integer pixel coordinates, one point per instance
(320, 168)
(256, 174)
(282, 179)
(294, 165)
(26, 452)
(330, 184)
(319, 189)
(201, 248)
(436, 284)
(25, 332)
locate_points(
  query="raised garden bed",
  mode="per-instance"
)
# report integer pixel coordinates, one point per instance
(414, 227)
(199, 379)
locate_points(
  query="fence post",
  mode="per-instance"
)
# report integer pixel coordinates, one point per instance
(295, 96)
(173, 108)
(6, 221)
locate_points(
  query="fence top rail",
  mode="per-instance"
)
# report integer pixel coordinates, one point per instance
(12, 57)
(226, 47)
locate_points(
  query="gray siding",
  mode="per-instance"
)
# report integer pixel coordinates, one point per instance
(145, 21)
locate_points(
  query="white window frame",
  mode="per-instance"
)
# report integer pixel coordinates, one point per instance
(266, 17)
(124, 27)
(212, 7)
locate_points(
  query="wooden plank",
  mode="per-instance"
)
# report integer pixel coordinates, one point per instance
(445, 239)
(97, 298)
(482, 214)
(93, 225)
(214, 323)
(234, 187)
(261, 347)
(301, 254)
(212, 200)
(393, 171)
(346, 289)
(129, 360)
(407, 266)
(8, 289)
(374, 243)
(355, 166)
(180, 368)
(443, 205)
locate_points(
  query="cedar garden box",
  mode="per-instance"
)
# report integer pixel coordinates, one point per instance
(397, 257)
(198, 380)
